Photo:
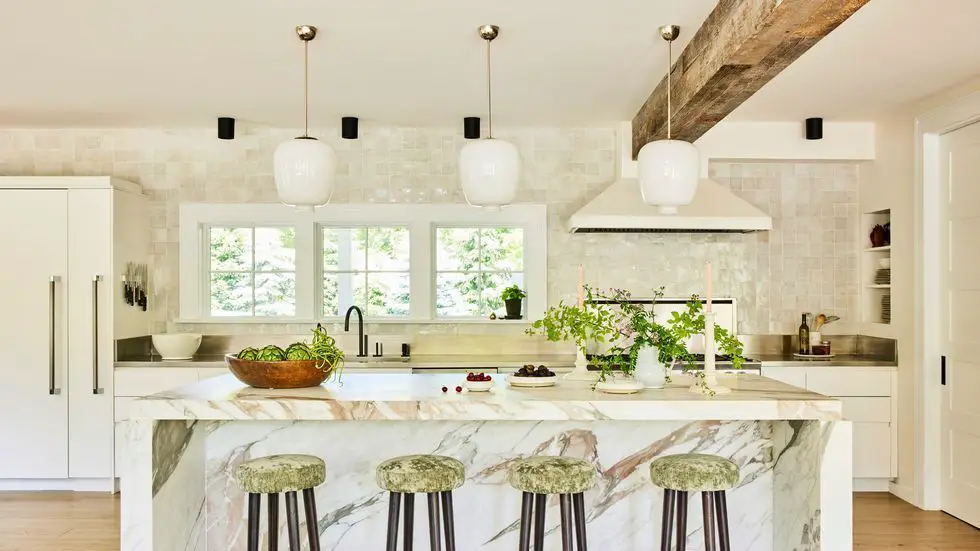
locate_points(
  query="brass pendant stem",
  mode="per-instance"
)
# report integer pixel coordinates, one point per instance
(306, 89)
(489, 96)
(670, 66)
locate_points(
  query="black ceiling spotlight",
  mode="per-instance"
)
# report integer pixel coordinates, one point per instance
(226, 128)
(471, 128)
(348, 128)
(814, 128)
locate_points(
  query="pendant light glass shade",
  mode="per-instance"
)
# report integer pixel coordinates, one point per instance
(668, 170)
(489, 169)
(304, 168)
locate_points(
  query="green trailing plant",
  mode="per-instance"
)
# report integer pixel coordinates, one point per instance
(325, 351)
(686, 324)
(513, 293)
(582, 324)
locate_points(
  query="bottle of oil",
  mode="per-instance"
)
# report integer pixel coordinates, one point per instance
(804, 337)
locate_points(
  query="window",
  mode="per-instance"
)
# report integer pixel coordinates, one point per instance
(260, 263)
(367, 267)
(473, 265)
(252, 271)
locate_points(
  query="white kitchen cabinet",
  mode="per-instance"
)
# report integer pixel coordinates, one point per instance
(65, 308)
(789, 375)
(867, 401)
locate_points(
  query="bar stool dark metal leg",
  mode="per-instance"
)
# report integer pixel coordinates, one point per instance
(721, 510)
(527, 509)
(668, 519)
(254, 508)
(681, 507)
(707, 505)
(312, 520)
(540, 506)
(394, 504)
(409, 521)
(578, 506)
(435, 537)
(273, 501)
(292, 520)
(448, 520)
(565, 504)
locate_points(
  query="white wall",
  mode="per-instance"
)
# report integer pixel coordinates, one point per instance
(769, 273)
(890, 184)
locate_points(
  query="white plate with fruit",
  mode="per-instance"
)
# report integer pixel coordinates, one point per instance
(478, 382)
(532, 377)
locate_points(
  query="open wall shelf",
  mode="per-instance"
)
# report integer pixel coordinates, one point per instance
(876, 270)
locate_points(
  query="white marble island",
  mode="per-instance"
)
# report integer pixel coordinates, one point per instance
(791, 445)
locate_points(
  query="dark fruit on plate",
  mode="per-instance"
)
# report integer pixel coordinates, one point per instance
(478, 378)
(530, 371)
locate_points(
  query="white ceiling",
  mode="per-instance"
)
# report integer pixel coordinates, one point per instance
(888, 53)
(182, 62)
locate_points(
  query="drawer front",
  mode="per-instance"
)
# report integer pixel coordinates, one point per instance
(872, 450)
(849, 382)
(794, 376)
(150, 380)
(867, 410)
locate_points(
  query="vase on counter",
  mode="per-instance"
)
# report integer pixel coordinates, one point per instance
(649, 369)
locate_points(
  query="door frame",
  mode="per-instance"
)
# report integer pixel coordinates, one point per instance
(927, 345)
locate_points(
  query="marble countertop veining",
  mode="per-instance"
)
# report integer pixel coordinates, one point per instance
(418, 397)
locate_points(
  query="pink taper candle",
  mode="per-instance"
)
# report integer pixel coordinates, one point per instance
(581, 285)
(708, 304)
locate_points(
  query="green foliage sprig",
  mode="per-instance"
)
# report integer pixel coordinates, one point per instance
(582, 324)
(327, 354)
(686, 324)
(513, 293)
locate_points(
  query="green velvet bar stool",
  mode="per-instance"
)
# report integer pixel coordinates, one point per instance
(434, 475)
(681, 474)
(278, 474)
(540, 476)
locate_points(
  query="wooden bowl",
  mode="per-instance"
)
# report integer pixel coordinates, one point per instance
(284, 374)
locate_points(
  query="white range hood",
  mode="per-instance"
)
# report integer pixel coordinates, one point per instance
(620, 209)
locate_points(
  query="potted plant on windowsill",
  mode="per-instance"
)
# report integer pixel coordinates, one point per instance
(513, 297)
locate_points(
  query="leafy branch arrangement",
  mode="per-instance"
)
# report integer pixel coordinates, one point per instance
(582, 324)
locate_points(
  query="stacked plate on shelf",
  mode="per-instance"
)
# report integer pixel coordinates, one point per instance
(883, 276)
(886, 308)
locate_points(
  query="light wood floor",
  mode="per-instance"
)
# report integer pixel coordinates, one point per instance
(90, 522)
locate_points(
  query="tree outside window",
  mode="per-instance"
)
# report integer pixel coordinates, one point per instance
(366, 267)
(252, 271)
(473, 266)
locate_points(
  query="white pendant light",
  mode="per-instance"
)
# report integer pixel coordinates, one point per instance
(668, 169)
(304, 167)
(489, 169)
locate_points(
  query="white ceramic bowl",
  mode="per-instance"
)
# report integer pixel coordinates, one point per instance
(885, 262)
(176, 346)
(478, 386)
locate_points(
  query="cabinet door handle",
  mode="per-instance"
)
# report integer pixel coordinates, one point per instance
(52, 335)
(95, 335)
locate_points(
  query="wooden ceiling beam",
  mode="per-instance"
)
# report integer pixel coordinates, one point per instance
(740, 47)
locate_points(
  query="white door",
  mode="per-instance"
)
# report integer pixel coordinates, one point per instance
(92, 288)
(33, 404)
(961, 301)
